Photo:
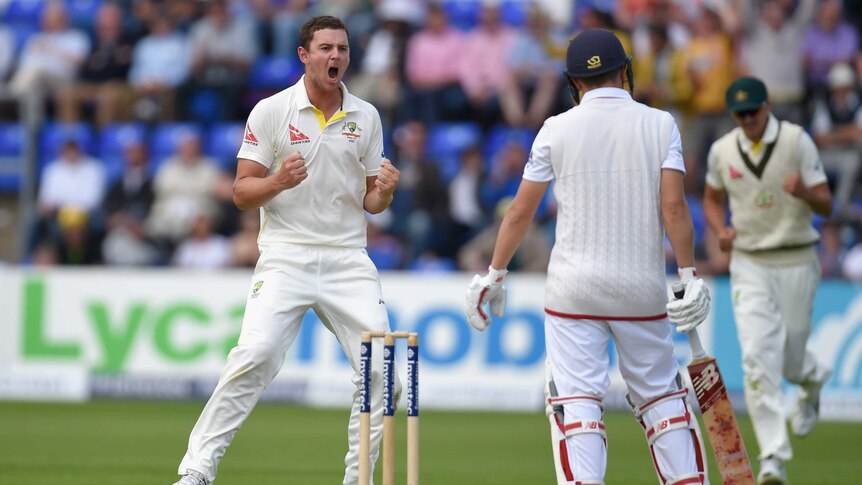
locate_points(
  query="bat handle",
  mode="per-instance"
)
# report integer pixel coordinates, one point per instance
(697, 351)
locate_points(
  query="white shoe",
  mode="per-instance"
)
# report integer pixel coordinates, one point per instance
(807, 408)
(193, 477)
(771, 472)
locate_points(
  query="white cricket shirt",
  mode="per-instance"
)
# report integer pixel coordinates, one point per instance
(605, 157)
(326, 208)
(767, 218)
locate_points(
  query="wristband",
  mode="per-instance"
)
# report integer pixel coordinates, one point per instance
(497, 275)
(687, 274)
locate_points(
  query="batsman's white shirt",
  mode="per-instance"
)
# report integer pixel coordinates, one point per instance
(327, 208)
(608, 259)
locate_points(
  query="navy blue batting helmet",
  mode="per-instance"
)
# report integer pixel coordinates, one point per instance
(594, 52)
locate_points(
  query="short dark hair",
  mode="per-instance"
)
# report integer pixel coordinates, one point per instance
(321, 22)
(601, 79)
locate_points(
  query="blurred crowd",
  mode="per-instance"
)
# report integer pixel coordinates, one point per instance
(136, 93)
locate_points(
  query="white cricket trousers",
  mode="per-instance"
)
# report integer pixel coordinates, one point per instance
(579, 359)
(772, 308)
(342, 286)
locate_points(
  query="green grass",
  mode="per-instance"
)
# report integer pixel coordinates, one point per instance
(138, 443)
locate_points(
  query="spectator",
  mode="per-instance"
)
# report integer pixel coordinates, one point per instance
(77, 245)
(433, 91)
(51, 58)
(851, 267)
(127, 206)
(533, 254)
(290, 16)
(465, 209)
(222, 51)
(702, 76)
(421, 205)
(385, 251)
(775, 28)
(653, 69)
(102, 79)
(160, 64)
(185, 187)
(507, 169)
(380, 77)
(531, 89)
(483, 69)
(202, 248)
(828, 41)
(72, 180)
(837, 130)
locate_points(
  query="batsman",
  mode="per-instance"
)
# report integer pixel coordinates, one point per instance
(618, 181)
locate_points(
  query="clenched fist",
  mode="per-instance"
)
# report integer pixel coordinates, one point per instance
(387, 179)
(292, 171)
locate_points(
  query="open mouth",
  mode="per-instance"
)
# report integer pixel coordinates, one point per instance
(333, 73)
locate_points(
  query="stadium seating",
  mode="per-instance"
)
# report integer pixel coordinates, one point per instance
(165, 140)
(23, 12)
(11, 156)
(113, 140)
(223, 142)
(275, 73)
(463, 14)
(55, 134)
(500, 135)
(446, 141)
(82, 13)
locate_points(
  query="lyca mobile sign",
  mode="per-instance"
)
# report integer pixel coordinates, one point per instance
(174, 321)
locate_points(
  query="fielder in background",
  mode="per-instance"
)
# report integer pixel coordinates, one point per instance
(312, 161)
(770, 172)
(618, 181)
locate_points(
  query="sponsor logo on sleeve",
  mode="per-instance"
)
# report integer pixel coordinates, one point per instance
(249, 136)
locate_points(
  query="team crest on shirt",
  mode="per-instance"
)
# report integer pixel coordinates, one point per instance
(255, 290)
(764, 199)
(351, 131)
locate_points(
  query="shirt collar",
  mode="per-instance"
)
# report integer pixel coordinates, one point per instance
(348, 104)
(769, 135)
(605, 93)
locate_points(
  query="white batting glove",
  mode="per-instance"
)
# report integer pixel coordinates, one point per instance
(485, 289)
(692, 309)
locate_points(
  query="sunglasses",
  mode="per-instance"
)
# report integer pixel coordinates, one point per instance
(746, 113)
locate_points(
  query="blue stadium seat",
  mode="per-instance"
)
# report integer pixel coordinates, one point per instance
(223, 142)
(21, 33)
(82, 13)
(463, 14)
(11, 156)
(514, 12)
(500, 135)
(113, 140)
(275, 72)
(23, 12)
(446, 141)
(166, 138)
(55, 134)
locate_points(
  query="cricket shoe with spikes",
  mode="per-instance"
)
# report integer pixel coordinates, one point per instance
(771, 472)
(807, 408)
(193, 477)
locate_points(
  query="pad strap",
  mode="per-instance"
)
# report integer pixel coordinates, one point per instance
(640, 410)
(667, 424)
(559, 401)
(583, 426)
(687, 480)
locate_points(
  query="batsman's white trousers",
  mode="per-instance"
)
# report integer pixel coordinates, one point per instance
(579, 360)
(342, 286)
(772, 308)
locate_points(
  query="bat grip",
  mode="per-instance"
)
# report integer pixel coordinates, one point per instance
(697, 351)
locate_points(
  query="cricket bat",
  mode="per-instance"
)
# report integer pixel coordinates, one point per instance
(718, 417)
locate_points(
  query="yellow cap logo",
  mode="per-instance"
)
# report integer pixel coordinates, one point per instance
(740, 96)
(594, 62)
